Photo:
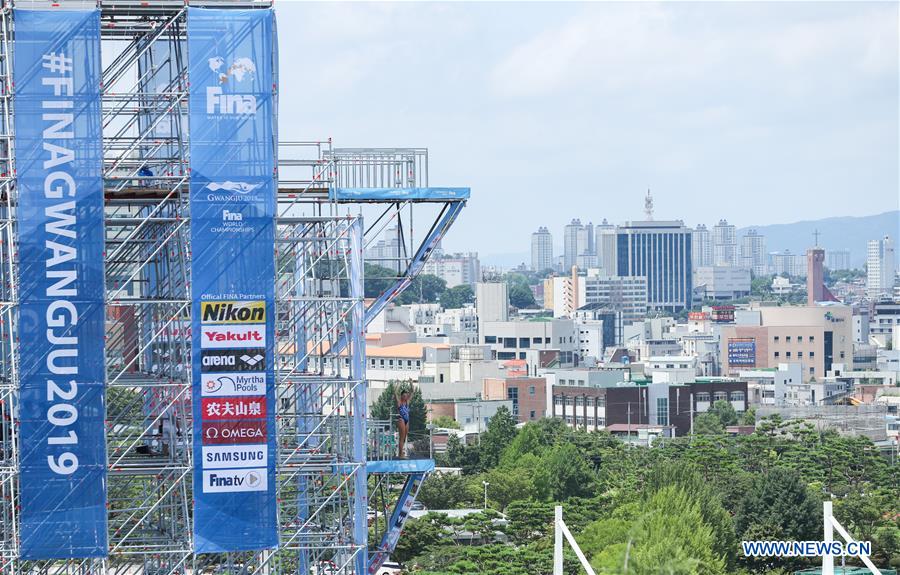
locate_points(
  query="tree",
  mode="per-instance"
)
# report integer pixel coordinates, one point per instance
(708, 424)
(777, 506)
(445, 422)
(385, 407)
(421, 535)
(568, 473)
(501, 430)
(424, 288)
(521, 296)
(444, 491)
(725, 412)
(749, 417)
(457, 296)
(377, 280)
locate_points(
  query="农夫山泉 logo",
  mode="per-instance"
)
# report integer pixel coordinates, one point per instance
(224, 384)
(232, 407)
(233, 312)
(235, 456)
(235, 480)
(232, 432)
(232, 336)
(253, 359)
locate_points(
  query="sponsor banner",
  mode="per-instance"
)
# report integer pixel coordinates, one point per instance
(231, 114)
(230, 384)
(235, 481)
(252, 359)
(234, 432)
(214, 408)
(742, 352)
(232, 456)
(233, 312)
(232, 336)
(59, 157)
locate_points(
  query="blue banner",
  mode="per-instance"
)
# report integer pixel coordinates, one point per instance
(231, 55)
(59, 183)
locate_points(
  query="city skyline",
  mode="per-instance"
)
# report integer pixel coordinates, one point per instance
(705, 105)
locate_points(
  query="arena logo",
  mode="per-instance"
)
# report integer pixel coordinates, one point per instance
(233, 360)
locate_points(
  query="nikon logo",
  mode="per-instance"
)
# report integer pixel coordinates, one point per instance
(233, 312)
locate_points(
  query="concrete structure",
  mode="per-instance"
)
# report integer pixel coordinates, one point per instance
(455, 269)
(624, 294)
(885, 322)
(541, 250)
(671, 369)
(527, 394)
(724, 244)
(577, 240)
(768, 386)
(611, 320)
(660, 251)
(605, 246)
(819, 337)
(786, 263)
(881, 267)
(753, 253)
(514, 339)
(701, 247)
(717, 282)
(815, 277)
(491, 303)
(838, 260)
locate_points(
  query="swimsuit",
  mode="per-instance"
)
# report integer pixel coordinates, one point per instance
(404, 412)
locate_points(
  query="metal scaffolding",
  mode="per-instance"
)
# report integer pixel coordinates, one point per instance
(323, 443)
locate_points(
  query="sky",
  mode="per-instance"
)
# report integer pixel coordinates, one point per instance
(757, 112)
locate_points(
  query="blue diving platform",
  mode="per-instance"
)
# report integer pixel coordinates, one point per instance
(399, 194)
(404, 466)
(416, 470)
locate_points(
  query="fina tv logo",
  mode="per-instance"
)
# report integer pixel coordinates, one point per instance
(218, 102)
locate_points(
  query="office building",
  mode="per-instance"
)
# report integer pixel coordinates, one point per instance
(701, 247)
(838, 260)
(787, 263)
(455, 269)
(605, 246)
(576, 242)
(626, 295)
(881, 267)
(661, 252)
(819, 337)
(753, 253)
(541, 250)
(719, 282)
(491, 303)
(724, 244)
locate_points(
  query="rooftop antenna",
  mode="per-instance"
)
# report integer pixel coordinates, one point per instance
(648, 206)
(816, 236)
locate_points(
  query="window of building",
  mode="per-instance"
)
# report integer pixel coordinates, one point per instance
(513, 394)
(600, 401)
(418, 363)
(662, 411)
(557, 400)
(799, 355)
(670, 366)
(521, 355)
(703, 396)
(390, 363)
(490, 339)
(812, 354)
(799, 339)
(506, 355)
(570, 401)
(579, 420)
(382, 362)
(737, 396)
(787, 339)
(409, 363)
(531, 414)
(509, 342)
(524, 342)
(777, 354)
(787, 354)
(812, 339)
(720, 396)
(579, 401)
(777, 339)
(812, 371)
(569, 419)
(537, 340)
(441, 378)
(842, 355)
(531, 390)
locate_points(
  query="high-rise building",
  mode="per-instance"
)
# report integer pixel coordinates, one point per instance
(660, 251)
(881, 267)
(786, 263)
(491, 302)
(455, 269)
(625, 295)
(605, 246)
(541, 250)
(838, 260)
(724, 244)
(578, 245)
(701, 247)
(753, 253)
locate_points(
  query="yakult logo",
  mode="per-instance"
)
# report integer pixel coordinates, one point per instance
(232, 336)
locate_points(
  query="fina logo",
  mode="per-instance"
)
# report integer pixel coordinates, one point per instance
(232, 216)
(217, 102)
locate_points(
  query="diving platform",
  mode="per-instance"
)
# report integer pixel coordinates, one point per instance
(359, 195)
(404, 466)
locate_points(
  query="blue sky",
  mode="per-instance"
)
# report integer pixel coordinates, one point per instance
(758, 112)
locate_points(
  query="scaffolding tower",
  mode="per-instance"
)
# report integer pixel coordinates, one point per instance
(325, 194)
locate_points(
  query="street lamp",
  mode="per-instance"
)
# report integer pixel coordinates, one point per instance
(485, 483)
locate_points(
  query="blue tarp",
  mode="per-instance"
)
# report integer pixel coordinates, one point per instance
(399, 194)
(231, 56)
(400, 466)
(59, 155)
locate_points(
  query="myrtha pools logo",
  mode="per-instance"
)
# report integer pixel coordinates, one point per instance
(217, 101)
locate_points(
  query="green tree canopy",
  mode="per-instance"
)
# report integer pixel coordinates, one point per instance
(457, 296)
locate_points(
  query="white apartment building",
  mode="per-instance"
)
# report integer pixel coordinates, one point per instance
(788, 263)
(455, 269)
(515, 339)
(718, 282)
(701, 247)
(724, 244)
(881, 268)
(541, 250)
(491, 302)
(838, 260)
(753, 253)
(624, 294)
